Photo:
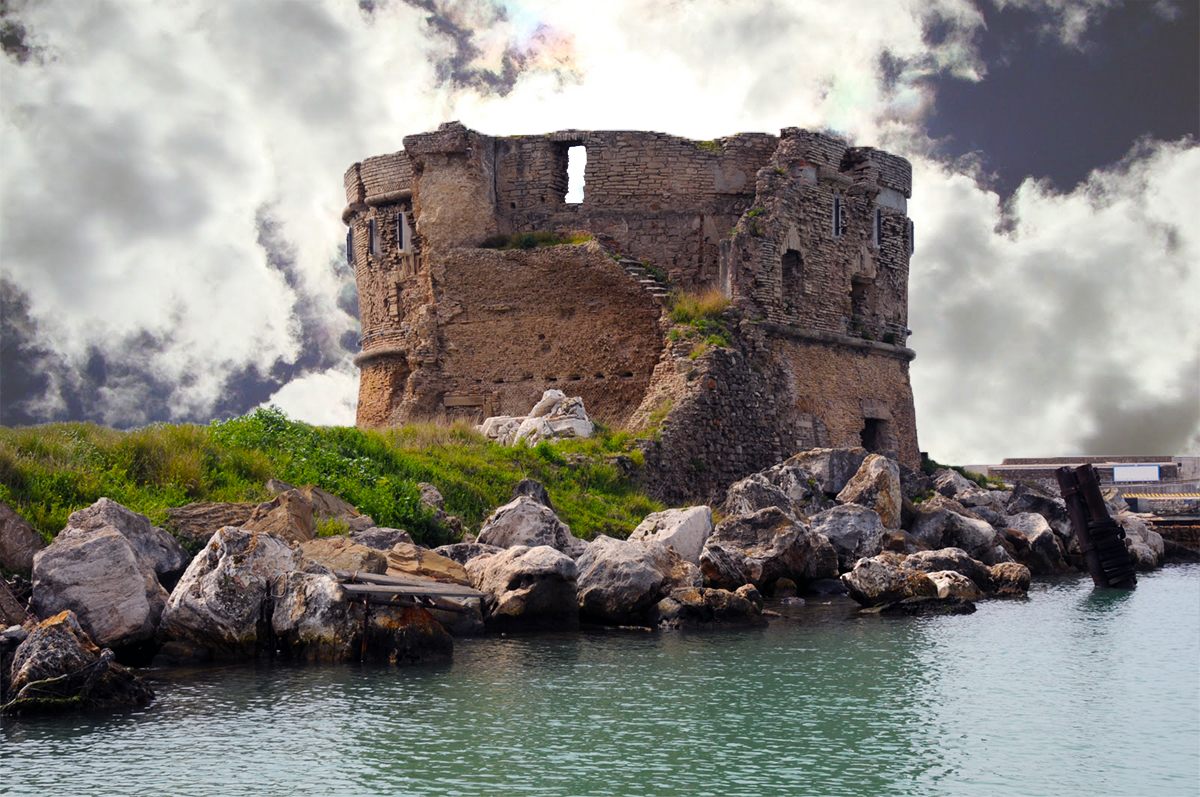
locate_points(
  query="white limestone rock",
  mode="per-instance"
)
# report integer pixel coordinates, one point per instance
(619, 580)
(686, 530)
(954, 585)
(854, 532)
(525, 521)
(153, 547)
(876, 485)
(527, 588)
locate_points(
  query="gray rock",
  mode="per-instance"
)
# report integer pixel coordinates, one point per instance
(831, 468)
(686, 530)
(153, 547)
(954, 559)
(854, 532)
(955, 585)
(1027, 497)
(1009, 580)
(18, 541)
(763, 547)
(527, 588)
(381, 539)
(288, 516)
(1045, 555)
(313, 621)
(619, 580)
(950, 483)
(523, 521)
(535, 490)
(929, 607)
(876, 485)
(196, 523)
(943, 523)
(432, 499)
(60, 647)
(913, 482)
(755, 493)
(463, 552)
(97, 575)
(876, 581)
(1146, 547)
(219, 600)
(795, 481)
(701, 607)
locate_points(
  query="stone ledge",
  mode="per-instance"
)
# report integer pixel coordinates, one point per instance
(817, 336)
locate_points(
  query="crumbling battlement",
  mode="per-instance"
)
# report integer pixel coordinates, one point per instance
(808, 236)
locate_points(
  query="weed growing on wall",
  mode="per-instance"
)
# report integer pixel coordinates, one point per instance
(532, 240)
(700, 317)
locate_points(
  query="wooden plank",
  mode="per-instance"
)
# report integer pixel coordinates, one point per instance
(442, 590)
(463, 401)
(355, 577)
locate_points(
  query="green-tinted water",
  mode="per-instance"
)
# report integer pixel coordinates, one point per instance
(1069, 692)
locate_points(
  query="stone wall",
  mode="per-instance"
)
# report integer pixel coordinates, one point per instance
(489, 331)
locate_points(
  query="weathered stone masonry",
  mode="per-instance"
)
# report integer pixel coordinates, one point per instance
(809, 237)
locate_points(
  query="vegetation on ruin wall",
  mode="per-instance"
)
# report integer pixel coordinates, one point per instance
(699, 317)
(48, 472)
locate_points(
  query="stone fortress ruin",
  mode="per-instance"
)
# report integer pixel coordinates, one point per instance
(808, 237)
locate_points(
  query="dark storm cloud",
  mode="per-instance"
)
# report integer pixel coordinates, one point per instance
(1058, 111)
(1129, 421)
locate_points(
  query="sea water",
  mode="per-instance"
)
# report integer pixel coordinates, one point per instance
(1071, 691)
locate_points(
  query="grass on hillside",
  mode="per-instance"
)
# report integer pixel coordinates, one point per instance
(930, 467)
(47, 472)
(532, 240)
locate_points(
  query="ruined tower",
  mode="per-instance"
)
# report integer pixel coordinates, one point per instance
(809, 237)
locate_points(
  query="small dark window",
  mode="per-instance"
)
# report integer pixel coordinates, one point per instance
(877, 229)
(873, 434)
(373, 233)
(791, 267)
(350, 246)
(838, 222)
(911, 239)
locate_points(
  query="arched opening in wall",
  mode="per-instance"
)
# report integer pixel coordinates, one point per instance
(860, 298)
(576, 163)
(791, 267)
(875, 434)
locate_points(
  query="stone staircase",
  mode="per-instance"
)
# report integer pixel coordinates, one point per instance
(635, 268)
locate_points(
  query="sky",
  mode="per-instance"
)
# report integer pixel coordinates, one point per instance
(171, 186)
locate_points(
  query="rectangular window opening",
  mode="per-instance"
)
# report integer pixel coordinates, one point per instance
(350, 246)
(837, 217)
(403, 233)
(877, 229)
(576, 162)
(373, 233)
(911, 242)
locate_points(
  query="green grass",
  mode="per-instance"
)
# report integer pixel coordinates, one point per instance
(47, 472)
(532, 240)
(700, 317)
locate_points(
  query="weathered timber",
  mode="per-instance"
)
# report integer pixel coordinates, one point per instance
(371, 583)
(1101, 539)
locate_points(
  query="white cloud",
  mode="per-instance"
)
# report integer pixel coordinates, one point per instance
(140, 156)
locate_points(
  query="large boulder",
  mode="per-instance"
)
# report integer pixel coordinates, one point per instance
(1045, 554)
(1029, 497)
(955, 585)
(754, 493)
(876, 581)
(526, 522)
(854, 532)
(408, 559)
(913, 483)
(1146, 547)
(554, 416)
(18, 541)
(527, 588)
(196, 523)
(342, 553)
(831, 468)
(686, 530)
(96, 574)
(219, 601)
(619, 580)
(944, 523)
(876, 485)
(535, 490)
(701, 607)
(950, 483)
(763, 547)
(313, 621)
(58, 668)
(1009, 580)
(152, 546)
(431, 499)
(954, 559)
(288, 516)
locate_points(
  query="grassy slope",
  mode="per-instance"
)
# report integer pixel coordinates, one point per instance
(47, 472)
